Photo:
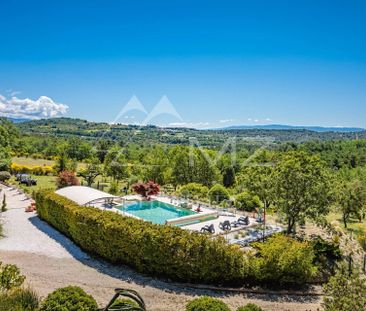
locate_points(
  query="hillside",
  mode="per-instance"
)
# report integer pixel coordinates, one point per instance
(67, 127)
(319, 129)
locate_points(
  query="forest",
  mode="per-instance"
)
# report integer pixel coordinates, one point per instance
(115, 157)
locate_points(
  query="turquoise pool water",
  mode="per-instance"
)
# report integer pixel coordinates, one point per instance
(154, 211)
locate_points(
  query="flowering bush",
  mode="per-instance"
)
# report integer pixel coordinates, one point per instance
(36, 170)
(146, 189)
(67, 178)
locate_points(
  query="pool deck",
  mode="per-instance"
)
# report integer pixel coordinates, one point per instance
(223, 216)
(204, 211)
(216, 222)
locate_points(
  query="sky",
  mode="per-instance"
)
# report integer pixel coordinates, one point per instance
(185, 63)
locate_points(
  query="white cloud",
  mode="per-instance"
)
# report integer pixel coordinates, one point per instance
(189, 124)
(43, 107)
(227, 120)
(14, 93)
(257, 120)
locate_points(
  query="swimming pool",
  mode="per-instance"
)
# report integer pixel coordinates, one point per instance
(154, 211)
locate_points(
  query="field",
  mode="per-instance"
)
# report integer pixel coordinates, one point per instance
(32, 162)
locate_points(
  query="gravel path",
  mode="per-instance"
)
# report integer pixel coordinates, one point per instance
(50, 260)
(26, 232)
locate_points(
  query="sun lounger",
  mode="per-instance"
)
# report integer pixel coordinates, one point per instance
(208, 228)
(226, 226)
(244, 221)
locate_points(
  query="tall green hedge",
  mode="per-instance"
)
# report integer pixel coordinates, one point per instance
(149, 248)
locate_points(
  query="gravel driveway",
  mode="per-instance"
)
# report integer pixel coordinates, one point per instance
(50, 260)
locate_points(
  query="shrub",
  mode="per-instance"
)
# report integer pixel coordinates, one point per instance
(4, 176)
(10, 277)
(284, 260)
(67, 178)
(36, 170)
(48, 170)
(325, 251)
(250, 307)
(345, 292)
(207, 304)
(20, 299)
(161, 250)
(362, 241)
(248, 202)
(16, 168)
(71, 298)
(193, 191)
(5, 161)
(218, 193)
(113, 188)
(146, 189)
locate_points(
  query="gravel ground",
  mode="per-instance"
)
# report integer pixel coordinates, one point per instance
(50, 260)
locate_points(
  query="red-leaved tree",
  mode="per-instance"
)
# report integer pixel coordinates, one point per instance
(67, 178)
(146, 189)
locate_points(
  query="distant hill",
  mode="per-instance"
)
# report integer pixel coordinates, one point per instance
(215, 138)
(18, 120)
(318, 129)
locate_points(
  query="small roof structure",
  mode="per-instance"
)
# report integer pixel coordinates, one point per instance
(84, 195)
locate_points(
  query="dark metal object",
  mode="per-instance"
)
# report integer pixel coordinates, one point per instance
(132, 295)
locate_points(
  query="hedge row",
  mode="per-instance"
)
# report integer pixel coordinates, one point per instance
(155, 249)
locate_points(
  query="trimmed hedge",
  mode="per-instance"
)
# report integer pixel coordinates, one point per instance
(149, 248)
(283, 260)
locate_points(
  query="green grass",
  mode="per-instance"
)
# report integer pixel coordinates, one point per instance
(43, 182)
(32, 162)
(38, 162)
(49, 182)
(354, 226)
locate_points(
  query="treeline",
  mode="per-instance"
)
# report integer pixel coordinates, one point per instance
(8, 133)
(214, 139)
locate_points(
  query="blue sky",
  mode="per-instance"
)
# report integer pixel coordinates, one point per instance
(219, 62)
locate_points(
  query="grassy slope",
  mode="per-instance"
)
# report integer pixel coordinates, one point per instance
(28, 161)
(354, 226)
(32, 162)
(43, 182)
